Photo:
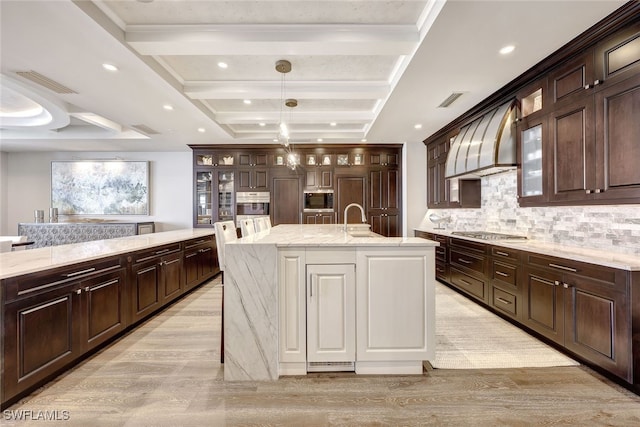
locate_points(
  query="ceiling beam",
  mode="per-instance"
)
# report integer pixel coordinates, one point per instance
(264, 39)
(296, 117)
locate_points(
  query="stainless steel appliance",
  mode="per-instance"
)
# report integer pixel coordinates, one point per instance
(251, 205)
(318, 201)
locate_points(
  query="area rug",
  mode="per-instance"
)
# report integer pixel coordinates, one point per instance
(470, 337)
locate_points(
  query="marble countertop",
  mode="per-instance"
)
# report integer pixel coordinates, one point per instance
(39, 259)
(619, 260)
(303, 235)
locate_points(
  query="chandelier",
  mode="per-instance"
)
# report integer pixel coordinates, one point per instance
(293, 160)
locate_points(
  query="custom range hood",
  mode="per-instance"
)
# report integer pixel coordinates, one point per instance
(485, 146)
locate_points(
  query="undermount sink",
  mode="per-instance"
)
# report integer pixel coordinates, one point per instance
(359, 230)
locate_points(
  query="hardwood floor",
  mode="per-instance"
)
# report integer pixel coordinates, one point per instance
(167, 373)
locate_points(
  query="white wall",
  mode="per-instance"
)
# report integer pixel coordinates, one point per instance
(28, 186)
(415, 191)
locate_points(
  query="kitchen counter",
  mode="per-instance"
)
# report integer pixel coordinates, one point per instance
(618, 260)
(33, 260)
(255, 307)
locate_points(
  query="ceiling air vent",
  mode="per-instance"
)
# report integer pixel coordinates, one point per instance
(44, 81)
(145, 129)
(450, 99)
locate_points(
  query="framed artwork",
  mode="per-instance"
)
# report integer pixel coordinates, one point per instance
(100, 187)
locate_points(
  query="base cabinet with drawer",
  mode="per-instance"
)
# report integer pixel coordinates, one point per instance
(583, 307)
(468, 268)
(506, 285)
(57, 317)
(200, 261)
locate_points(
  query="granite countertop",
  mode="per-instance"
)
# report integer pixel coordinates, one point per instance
(618, 260)
(39, 259)
(303, 235)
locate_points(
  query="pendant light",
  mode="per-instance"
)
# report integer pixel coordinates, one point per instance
(293, 160)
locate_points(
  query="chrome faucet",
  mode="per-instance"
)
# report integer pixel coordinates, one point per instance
(364, 218)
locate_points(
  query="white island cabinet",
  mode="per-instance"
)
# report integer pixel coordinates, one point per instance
(333, 302)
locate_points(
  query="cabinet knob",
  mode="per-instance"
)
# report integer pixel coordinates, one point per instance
(596, 83)
(557, 283)
(588, 191)
(78, 291)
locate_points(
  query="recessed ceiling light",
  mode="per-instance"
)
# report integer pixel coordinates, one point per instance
(319, 140)
(363, 140)
(247, 101)
(201, 130)
(332, 124)
(223, 65)
(168, 107)
(417, 126)
(262, 124)
(109, 67)
(507, 49)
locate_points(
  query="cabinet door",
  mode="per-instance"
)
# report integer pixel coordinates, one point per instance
(573, 149)
(386, 224)
(544, 303)
(45, 338)
(292, 307)
(350, 189)
(618, 133)
(103, 313)
(171, 276)
(395, 305)
(287, 200)
(572, 80)
(383, 189)
(597, 324)
(319, 178)
(532, 152)
(145, 289)
(331, 315)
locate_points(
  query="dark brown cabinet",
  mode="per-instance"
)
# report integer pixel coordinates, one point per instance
(286, 193)
(156, 278)
(253, 179)
(318, 217)
(384, 200)
(506, 281)
(350, 189)
(583, 307)
(200, 261)
(468, 267)
(443, 193)
(442, 254)
(318, 178)
(56, 317)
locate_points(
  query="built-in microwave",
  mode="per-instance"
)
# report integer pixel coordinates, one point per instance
(318, 201)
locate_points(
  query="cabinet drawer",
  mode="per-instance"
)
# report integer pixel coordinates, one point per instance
(504, 301)
(197, 242)
(506, 254)
(469, 246)
(466, 260)
(506, 273)
(468, 284)
(609, 276)
(442, 271)
(36, 283)
(143, 256)
(440, 238)
(441, 253)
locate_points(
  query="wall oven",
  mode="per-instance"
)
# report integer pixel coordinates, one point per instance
(251, 205)
(318, 201)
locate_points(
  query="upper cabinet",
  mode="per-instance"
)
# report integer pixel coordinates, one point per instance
(578, 128)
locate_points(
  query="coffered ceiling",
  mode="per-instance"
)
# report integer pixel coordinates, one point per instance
(362, 70)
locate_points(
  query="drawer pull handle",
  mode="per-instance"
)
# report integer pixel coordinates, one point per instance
(465, 261)
(161, 251)
(504, 301)
(562, 267)
(502, 253)
(500, 273)
(88, 270)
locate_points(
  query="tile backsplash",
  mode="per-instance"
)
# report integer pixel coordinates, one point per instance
(606, 227)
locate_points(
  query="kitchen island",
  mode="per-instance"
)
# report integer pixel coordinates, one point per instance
(302, 298)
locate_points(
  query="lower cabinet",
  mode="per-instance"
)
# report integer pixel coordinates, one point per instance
(200, 261)
(584, 308)
(156, 278)
(318, 217)
(331, 315)
(82, 309)
(374, 306)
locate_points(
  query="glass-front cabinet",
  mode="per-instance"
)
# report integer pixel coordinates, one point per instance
(532, 161)
(204, 197)
(226, 205)
(212, 186)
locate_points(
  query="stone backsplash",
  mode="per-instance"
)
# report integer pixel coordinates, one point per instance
(606, 227)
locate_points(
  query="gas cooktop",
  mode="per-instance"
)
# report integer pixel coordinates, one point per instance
(486, 235)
